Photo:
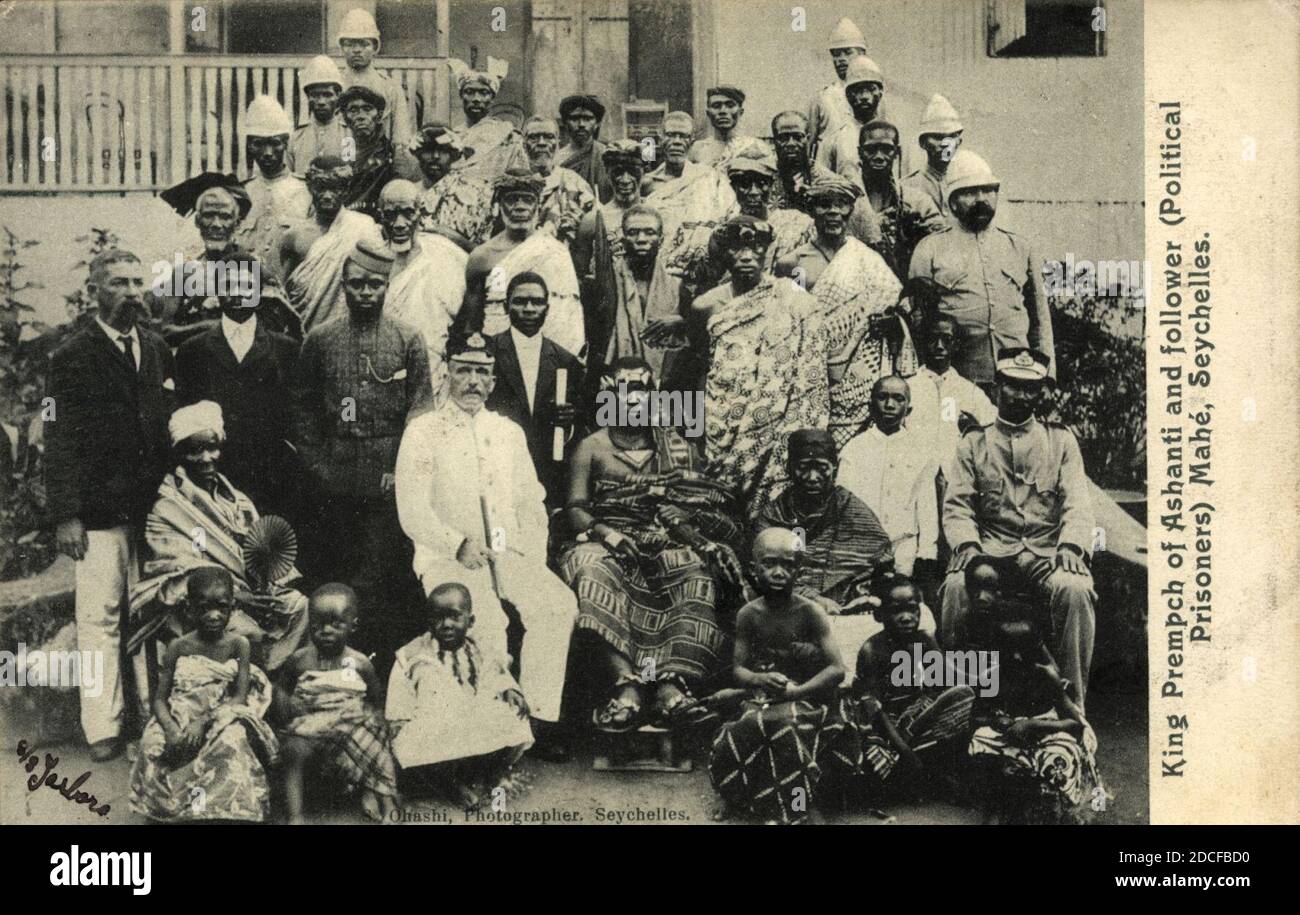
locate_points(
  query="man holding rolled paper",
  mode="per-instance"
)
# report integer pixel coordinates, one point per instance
(537, 384)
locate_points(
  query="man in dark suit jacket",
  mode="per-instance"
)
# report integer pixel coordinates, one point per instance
(113, 389)
(526, 365)
(247, 369)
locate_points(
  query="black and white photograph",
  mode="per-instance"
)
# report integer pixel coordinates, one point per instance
(584, 412)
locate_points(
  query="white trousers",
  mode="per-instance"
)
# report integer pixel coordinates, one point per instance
(104, 579)
(546, 607)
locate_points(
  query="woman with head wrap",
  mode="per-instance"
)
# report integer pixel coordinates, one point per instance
(200, 520)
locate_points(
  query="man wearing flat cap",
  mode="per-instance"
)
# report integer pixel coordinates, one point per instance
(724, 106)
(470, 501)
(1017, 491)
(356, 382)
(580, 116)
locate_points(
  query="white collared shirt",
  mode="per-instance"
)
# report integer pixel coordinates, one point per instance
(116, 336)
(239, 336)
(529, 350)
(894, 475)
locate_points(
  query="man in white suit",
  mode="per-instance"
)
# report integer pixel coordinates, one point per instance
(469, 498)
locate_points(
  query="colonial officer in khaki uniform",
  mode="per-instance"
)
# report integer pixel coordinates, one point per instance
(988, 279)
(1016, 491)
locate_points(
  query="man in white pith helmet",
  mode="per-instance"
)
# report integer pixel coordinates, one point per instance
(324, 131)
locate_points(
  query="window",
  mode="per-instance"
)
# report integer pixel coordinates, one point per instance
(255, 27)
(114, 25)
(409, 27)
(1046, 28)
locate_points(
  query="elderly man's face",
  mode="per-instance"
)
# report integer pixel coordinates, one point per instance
(362, 118)
(541, 140)
(435, 163)
(327, 194)
(724, 112)
(216, 218)
(364, 290)
(322, 99)
(864, 99)
(268, 152)
(626, 180)
(751, 193)
(676, 142)
(398, 216)
(474, 101)
(831, 215)
(119, 291)
(581, 125)
(813, 477)
(974, 207)
(469, 384)
(877, 150)
(940, 148)
(358, 52)
(642, 235)
(840, 57)
(790, 136)
(199, 456)
(527, 306)
(518, 208)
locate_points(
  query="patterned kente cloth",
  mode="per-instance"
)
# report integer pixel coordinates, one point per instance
(770, 760)
(459, 205)
(843, 546)
(351, 736)
(226, 780)
(767, 378)
(665, 608)
(919, 730)
(1063, 769)
(856, 284)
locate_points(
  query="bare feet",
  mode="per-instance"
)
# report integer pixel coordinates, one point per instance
(370, 806)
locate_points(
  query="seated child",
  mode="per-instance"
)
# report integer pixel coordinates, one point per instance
(204, 753)
(334, 698)
(787, 664)
(903, 720)
(1031, 741)
(452, 705)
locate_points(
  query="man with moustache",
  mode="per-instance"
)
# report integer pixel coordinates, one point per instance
(357, 381)
(829, 108)
(106, 450)
(864, 86)
(724, 106)
(940, 137)
(470, 501)
(313, 252)
(988, 279)
(324, 132)
(691, 199)
(427, 283)
(516, 249)
(566, 197)
(581, 116)
(526, 366)
(904, 215)
(279, 198)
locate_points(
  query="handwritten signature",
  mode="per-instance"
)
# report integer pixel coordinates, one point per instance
(49, 778)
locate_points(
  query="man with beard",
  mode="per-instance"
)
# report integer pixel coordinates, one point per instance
(829, 108)
(566, 198)
(279, 199)
(245, 368)
(905, 215)
(359, 41)
(375, 164)
(357, 381)
(427, 284)
(313, 252)
(600, 232)
(940, 138)
(581, 115)
(766, 366)
(516, 249)
(724, 106)
(691, 199)
(113, 382)
(454, 203)
(324, 132)
(1017, 491)
(470, 501)
(864, 86)
(795, 168)
(857, 295)
(987, 277)
(489, 142)
(526, 366)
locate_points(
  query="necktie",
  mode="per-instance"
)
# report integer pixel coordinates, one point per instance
(129, 348)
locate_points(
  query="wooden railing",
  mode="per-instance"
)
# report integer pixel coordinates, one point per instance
(114, 124)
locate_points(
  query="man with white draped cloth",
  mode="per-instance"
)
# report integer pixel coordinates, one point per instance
(469, 498)
(857, 297)
(427, 285)
(313, 252)
(517, 248)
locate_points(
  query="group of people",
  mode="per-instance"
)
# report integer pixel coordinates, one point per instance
(375, 519)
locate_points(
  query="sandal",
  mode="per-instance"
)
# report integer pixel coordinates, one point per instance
(617, 716)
